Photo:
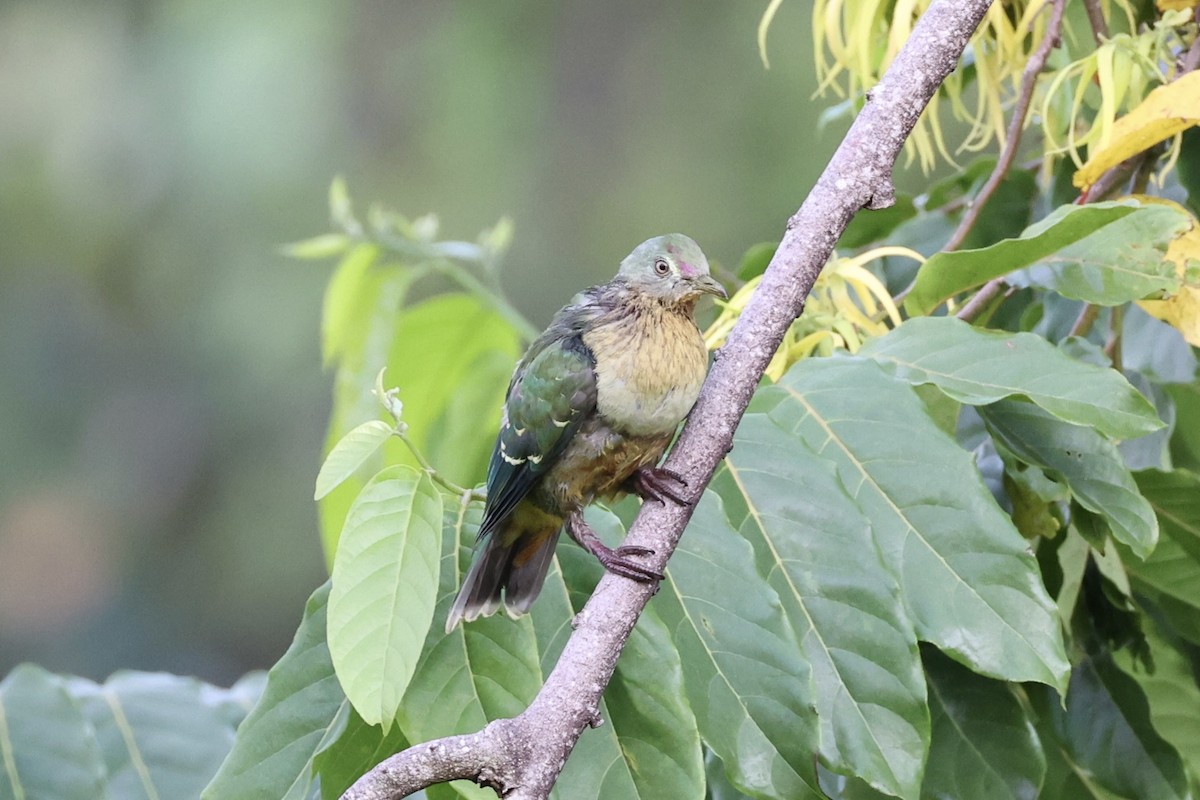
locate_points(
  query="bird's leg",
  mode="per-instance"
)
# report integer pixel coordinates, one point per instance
(614, 561)
(657, 483)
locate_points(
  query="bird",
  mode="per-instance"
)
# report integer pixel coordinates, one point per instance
(589, 412)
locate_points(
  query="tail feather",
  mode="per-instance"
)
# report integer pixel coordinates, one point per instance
(496, 579)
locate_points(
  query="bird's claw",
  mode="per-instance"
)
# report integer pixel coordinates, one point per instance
(616, 560)
(657, 483)
(626, 568)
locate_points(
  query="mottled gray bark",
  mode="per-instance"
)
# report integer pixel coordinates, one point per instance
(521, 758)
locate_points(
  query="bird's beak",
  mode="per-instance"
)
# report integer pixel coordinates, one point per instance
(709, 285)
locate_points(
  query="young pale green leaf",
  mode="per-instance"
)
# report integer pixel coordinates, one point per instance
(984, 745)
(968, 580)
(1097, 252)
(461, 439)
(320, 247)
(977, 367)
(385, 575)
(344, 300)
(477, 672)
(435, 347)
(340, 209)
(301, 711)
(745, 674)
(369, 334)
(1088, 463)
(47, 748)
(157, 734)
(349, 454)
(813, 541)
(1107, 734)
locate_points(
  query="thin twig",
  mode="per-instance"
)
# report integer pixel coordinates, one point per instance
(1085, 320)
(1113, 348)
(979, 302)
(1015, 126)
(1095, 15)
(858, 176)
(433, 473)
(1191, 59)
(1111, 180)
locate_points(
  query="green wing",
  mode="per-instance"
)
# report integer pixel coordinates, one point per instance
(549, 398)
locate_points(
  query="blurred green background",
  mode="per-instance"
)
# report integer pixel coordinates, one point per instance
(162, 402)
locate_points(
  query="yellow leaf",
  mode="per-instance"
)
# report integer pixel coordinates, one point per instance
(1165, 112)
(1182, 309)
(1174, 5)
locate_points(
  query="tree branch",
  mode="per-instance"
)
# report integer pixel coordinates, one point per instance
(1016, 126)
(859, 175)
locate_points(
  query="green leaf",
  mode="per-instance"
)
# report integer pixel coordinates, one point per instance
(1170, 575)
(477, 672)
(977, 367)
(755, 260)
(370, 337)
(656, 729)
(461, 439)
(1121, 262)
(340, 209)
(349, 454)
(984, 745)
(1174, 697)
(345, 298)
(1104, 253)
(435, 348)
(872, 226)
(648, 745)
(301, 711)
(158, 736)
(969, 583)
(597, 768)
(842, 602)
(1088, 463)
(1175, 498)
(358, 748)
(47, 748)
(318, 247)
(385, 577)
(744, 672)
(1106, 733)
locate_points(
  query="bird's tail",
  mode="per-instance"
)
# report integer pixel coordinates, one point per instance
(505, 575)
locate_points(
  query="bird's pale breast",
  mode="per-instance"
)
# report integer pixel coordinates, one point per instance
(649, 369)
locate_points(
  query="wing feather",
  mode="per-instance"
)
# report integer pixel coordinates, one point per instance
(552, 392)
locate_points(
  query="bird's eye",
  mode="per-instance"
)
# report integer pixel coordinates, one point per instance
(661, 267)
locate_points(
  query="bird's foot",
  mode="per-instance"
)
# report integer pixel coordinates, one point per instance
(616, 560)
(657, 483)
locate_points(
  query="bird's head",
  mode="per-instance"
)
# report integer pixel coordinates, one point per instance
(670, 267)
